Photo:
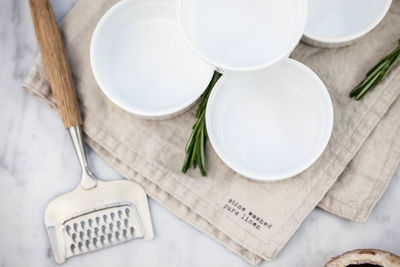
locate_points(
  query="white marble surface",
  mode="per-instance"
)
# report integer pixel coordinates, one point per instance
(37, 163)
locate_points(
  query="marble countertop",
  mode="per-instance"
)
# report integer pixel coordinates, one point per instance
(37, 163)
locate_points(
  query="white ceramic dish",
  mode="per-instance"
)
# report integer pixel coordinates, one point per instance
(142, 62)
(270, 124)
(336, 23)
(240, 35)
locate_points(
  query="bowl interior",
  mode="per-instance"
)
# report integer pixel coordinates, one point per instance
(270, 124)
(343, 20)
(242, 35)
(141, 61)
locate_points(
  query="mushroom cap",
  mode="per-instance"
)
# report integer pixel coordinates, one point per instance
(362, 257)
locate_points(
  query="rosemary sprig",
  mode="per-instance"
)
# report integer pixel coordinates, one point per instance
(195, 147)
(376, 74)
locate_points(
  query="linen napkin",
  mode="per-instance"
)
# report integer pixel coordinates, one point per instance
(253, 219)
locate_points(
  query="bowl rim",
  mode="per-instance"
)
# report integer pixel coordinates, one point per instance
(254, 175)
(109, 91)
(352, 36)
(221, 67)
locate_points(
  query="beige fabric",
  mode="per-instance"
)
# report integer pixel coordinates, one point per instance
(253, 219)
(367, 176)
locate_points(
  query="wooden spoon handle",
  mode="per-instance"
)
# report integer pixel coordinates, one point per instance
(55, 61)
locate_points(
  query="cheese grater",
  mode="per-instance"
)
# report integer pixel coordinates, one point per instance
(96, 214)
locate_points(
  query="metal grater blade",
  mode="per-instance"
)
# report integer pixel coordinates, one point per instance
(111, 213)
(101, 229)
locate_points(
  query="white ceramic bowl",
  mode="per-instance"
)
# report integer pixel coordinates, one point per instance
(336, 23)
(240, 35)
(142, 62)
(270, 124)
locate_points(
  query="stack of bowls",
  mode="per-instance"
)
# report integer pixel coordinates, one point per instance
(269, 117)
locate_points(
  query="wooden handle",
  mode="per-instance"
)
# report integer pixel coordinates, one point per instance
(55, 61)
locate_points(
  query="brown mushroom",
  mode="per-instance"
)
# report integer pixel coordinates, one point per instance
(365, 258)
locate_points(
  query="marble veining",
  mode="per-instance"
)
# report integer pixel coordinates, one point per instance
(37, 163)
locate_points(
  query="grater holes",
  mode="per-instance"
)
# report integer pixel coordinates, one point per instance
(100, 229)
(80, 246)
(87, 243)
(81, 235)
(125, 233)
(74, 237)
(127, 212)
(89, 233)
(73, 247)
(68, 229)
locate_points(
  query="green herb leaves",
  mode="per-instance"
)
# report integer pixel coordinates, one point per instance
(195, 147)
(376, 74)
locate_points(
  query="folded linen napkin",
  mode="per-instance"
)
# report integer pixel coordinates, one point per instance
(253, 219)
